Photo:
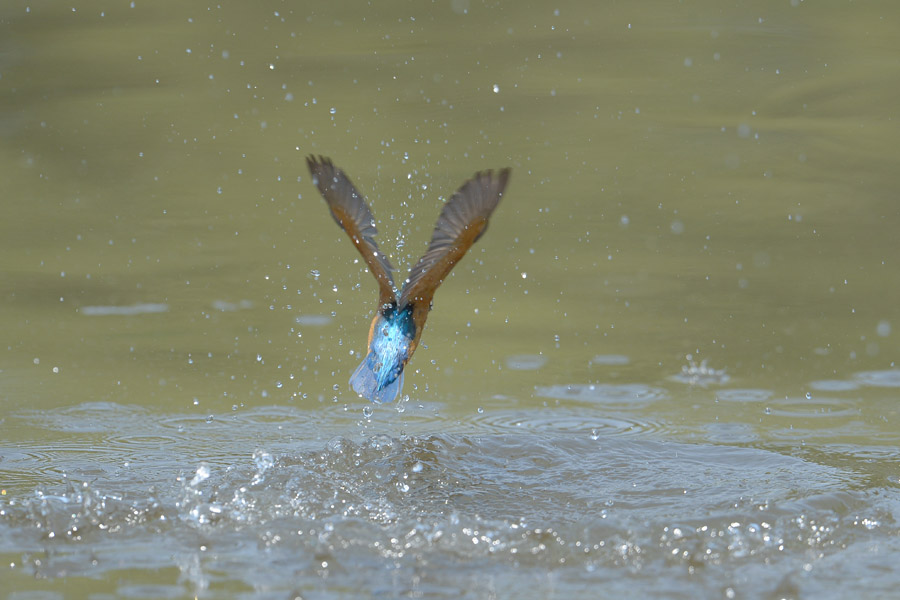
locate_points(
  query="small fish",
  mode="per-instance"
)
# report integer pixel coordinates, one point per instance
(399, 320)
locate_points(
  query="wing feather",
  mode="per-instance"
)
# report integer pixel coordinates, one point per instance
(350, 211)
(462, 221)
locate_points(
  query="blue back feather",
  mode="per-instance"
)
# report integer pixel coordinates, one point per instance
(379, 377)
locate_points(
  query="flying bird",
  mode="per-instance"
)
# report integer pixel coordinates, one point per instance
(399, 320)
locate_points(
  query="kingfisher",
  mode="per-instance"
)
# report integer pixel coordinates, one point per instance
(400, 318)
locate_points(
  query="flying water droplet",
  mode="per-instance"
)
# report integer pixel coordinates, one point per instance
(201, 475)
(264, 461)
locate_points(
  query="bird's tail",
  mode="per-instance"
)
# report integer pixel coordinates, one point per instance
(365, 383)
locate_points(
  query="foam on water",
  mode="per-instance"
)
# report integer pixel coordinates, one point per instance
(565, 506)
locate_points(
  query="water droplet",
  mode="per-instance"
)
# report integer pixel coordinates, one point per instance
(264, 461)
(201, 475)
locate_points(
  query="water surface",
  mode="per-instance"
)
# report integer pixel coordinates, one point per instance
(669, 369)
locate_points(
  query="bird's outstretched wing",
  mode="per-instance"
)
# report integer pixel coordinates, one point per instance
(349, 209)
(463, 220)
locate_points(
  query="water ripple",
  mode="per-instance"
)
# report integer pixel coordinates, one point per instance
(834, 385)
(562, 419)
(610, 359)
(622, 395)
(744, 395)
(525, 362)
(313, 320)
(130, 310)
(579, 497)
(890, 378)
(813, 407)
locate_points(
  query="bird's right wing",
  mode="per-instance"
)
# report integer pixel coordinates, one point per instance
(349, 209)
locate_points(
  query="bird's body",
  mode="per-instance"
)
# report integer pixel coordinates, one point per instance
(399, 320)
(379, 376)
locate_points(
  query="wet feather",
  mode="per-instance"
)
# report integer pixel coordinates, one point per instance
(398, 322)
